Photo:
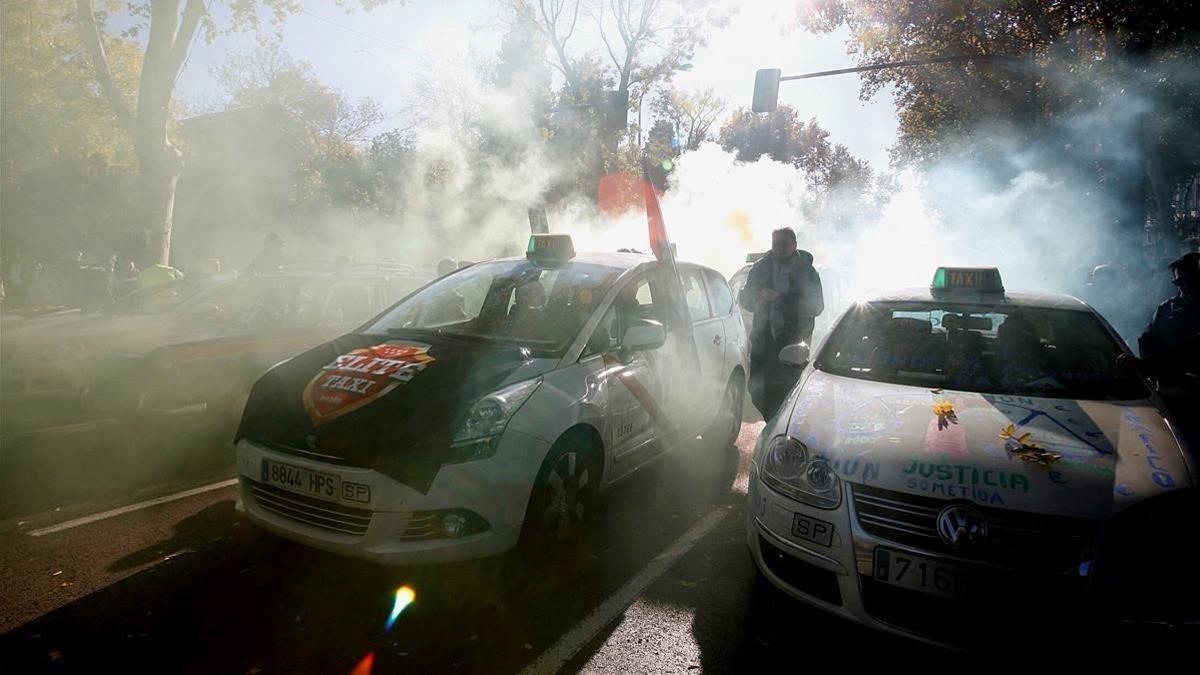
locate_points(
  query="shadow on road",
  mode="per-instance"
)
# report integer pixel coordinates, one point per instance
(227, 597)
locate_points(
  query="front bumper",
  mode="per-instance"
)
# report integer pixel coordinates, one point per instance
(496, 489)
(839, 579)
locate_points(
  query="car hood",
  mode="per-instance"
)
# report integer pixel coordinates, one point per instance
(1110, 455)
(391, 403)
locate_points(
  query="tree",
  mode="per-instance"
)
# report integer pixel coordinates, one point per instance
(1135, 61)
(781, 135)
(171, 27)
(270, 80)
(844, 189)
(645, 42)
(690, 116)
(331, 131)
(63, 159)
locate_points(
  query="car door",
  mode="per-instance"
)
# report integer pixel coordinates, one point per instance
(703, 393)
(720, 298)
(628, 390)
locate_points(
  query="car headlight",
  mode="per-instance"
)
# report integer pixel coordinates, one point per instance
(788, 469)
(486, 420)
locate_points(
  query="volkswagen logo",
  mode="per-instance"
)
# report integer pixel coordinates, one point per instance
(962, 526)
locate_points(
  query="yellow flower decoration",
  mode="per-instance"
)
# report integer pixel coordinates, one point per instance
(1019, 444)
(944, 410)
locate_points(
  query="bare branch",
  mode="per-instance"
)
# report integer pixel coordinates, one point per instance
(604, 38)
(89, 33)
(574, 20)
(192, 14)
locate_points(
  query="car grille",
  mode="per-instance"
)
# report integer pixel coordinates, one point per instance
(1021, 540)
(307, 454)
(313, 512)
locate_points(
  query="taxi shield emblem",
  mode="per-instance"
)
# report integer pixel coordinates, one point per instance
(362, 376)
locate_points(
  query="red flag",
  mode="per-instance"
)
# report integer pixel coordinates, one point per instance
(659, 243)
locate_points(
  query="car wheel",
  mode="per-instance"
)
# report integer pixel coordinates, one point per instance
(728, 425)
(562, 505)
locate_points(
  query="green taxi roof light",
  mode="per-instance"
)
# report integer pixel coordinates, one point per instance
(550, 247)
(967, 279)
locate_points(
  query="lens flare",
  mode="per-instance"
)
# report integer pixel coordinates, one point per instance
(364, 666)
(404, 598)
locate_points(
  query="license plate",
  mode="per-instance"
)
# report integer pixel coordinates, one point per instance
(811, 529)
(305, 481)
(922, 574)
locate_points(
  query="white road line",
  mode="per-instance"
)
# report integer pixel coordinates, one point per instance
(132, 507)
(567, 646)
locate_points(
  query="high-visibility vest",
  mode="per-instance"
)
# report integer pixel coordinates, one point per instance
(158, 274)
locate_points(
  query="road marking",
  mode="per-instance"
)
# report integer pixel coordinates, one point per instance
(567, 646)
(132, 507)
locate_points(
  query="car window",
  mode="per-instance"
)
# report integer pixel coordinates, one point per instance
(719, 294)
(634, 302)
(1009, 350)
(694, 295)
(510, 300)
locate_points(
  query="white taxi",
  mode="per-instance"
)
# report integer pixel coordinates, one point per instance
(492, 405)
(963, 465)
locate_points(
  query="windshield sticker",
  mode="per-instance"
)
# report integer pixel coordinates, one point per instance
(359, 377)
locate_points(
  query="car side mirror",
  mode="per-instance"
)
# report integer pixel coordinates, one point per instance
(796, 355)
(644, 335)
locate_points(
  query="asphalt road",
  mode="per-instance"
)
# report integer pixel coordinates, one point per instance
(186, 586)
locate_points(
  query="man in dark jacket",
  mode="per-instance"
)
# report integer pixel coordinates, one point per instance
(1170, 348)
(784, 292)
(270, 258)
(1170, 345)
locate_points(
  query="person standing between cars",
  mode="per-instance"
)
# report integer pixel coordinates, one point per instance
(784, 291)
(270, 258)
(1170, 347)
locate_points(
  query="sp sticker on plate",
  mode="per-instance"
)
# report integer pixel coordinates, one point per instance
(811, 529)
(360, 377)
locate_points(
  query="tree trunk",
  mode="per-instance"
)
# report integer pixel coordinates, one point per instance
(159, 162)
(158, 194)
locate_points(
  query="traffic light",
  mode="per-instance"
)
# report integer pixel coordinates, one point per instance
(766, 90)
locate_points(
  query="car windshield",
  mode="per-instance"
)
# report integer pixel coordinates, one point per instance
(544, 306)
(1000, 350)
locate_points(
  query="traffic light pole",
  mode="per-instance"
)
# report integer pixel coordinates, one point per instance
(901, 64)
(766, 81)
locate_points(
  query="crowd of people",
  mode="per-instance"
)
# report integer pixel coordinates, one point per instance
(93, 282)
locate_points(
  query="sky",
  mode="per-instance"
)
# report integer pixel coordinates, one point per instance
(380, 53)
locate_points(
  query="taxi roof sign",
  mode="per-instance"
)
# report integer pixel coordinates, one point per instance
(550, 247)
(967, 279)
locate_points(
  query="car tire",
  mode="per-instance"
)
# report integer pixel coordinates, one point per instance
(563, 503)
(728, 425)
